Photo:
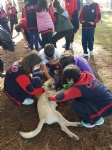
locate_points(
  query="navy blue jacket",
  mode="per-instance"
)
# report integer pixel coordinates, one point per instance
(90, 13)
(30, 14)
(17, 85)
(96, 97)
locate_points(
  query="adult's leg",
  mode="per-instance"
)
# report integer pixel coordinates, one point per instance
(91, 38)
(36, 35)
(84, 40)
(31, 39)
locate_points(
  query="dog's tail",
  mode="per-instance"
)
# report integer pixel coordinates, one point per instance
(33, 133)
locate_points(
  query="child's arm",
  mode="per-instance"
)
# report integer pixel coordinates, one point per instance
(81, 18)
(44, 69)
(98, 14)
(54, 62)
(71, 93)
(22, 31)
(26, 85)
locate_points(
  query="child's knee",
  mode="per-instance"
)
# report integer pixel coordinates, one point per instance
(36, 82)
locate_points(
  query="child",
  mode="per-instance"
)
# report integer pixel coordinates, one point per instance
(50, 57)
(44, 22)
(63, 26)
(4, 20)
(12, 14)
(93, 100)
(20, 81)
(89, 16)
(30, 15)
(72, 8)
(67, 59)
(22, 27)
(2, 72)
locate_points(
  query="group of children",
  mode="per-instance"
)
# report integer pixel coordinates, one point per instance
(93, 100)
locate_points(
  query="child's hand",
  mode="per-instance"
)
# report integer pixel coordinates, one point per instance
(46, 88)
(47, 94)
(51, 63)
(92, 23)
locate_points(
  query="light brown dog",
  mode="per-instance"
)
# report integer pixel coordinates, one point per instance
(48, 114)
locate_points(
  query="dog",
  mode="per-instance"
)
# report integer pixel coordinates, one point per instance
(48, 114)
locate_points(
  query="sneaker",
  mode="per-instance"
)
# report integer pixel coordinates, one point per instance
(28, 101)
(29, 48)
(84, 55)
(87, 125)
(3, 74)
(39, 46)
(91, 53)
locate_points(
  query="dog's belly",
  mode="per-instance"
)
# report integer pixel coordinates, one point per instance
(51, 120)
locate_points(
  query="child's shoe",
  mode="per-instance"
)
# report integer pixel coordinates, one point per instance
(28, 101)
(71, 46)
(2, 73)
(84, 55)
(91, 53)
(87, 125)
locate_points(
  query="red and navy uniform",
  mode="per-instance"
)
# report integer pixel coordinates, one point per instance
(30, 14)
(92, 98)
(72, 9)
(24, 22)
(3, 17)
(90, 13)
(17, 85)
(13, 15)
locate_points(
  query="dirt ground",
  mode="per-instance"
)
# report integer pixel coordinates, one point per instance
(25, 118)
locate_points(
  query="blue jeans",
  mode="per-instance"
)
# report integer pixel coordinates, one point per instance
(34, 38)
(87, 39)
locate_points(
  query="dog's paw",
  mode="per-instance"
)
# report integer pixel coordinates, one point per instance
(78, 124)
(76, 138)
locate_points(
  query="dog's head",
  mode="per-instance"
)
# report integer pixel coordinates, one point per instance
(50, 83)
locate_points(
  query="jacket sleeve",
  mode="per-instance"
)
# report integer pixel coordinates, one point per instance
(26, 85)
(81, 16)
(98, 14)
(54, 16)
(24, 13)
(71, 93)
(71, 7)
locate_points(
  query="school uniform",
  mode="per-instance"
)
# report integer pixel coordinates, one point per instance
(93, 99)
(30, 15)
(12, 17)
(72, 9)
(89, 13)
(18, 85)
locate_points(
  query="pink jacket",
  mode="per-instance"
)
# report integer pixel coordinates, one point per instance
(44, 21)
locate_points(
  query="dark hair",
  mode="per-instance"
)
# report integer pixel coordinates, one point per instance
(65, 60)
(42, 5)
(18, 27)
(72, 71)
(49, 50)
(29, 61)
(56, 4)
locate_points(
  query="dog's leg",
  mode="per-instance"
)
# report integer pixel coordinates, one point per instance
(68, 123)
(63, 126)
(33, 133)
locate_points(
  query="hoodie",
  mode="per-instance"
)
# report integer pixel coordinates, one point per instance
(95, 96)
